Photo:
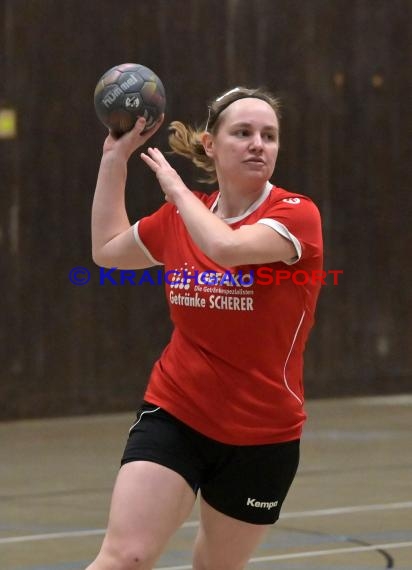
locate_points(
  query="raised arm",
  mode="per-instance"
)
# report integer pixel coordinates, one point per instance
(113, 243)
(249, 244)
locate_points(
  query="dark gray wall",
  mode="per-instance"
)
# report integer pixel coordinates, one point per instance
(342, 68)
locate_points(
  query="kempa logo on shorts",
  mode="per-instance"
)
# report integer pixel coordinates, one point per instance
(261, 504)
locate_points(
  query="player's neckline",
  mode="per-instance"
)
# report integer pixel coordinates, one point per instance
(252, 207)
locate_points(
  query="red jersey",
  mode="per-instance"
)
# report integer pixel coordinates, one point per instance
(233, 367)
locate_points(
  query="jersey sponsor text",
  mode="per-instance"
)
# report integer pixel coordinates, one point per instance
(219, 302)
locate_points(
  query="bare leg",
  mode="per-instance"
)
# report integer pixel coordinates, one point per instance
(224, 543)
(149, 503)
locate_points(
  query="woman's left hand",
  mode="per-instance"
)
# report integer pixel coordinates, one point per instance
(169, 180)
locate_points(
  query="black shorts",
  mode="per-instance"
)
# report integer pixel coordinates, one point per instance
(248, 483)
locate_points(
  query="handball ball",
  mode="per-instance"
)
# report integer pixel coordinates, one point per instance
(126, 92)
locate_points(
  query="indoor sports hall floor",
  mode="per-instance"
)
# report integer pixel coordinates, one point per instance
(350, 507)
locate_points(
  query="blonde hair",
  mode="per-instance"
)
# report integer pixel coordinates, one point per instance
(187, 141)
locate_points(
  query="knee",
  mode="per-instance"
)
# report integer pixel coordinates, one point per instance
(125, 557)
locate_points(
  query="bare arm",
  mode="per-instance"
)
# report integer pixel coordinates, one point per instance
(251, 244)
(113, 243)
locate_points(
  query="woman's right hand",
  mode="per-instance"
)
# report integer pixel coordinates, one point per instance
(126, 145)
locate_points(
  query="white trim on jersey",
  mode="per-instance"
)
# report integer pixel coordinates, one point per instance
(141, 415)
(287, 360)
(252, 208)
(142, 245)
(283, 231)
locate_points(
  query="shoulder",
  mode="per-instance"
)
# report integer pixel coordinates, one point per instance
(281, 200)
(296, 212)
(278, 195)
